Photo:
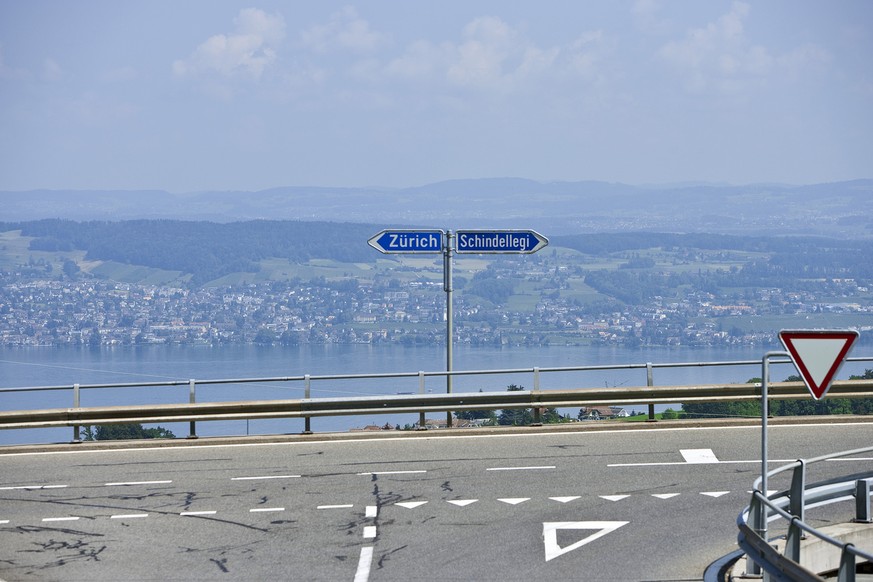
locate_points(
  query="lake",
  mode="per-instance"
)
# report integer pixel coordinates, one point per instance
(31, 367)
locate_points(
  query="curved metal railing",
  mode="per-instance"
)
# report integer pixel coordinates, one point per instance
(765, 558)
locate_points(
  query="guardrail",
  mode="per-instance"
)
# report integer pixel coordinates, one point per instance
(763, 558)
(421, 403)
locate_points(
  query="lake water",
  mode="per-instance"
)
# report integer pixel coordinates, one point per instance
(32, 367)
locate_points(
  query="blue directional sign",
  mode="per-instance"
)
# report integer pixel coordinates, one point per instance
(499, 241)
(408, 241)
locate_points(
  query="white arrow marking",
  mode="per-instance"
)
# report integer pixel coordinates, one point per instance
(550, 534)
(565, 499)
(714, 493)
(699, 456)
(514, 500)
(411, 504)
(614, 497)
(664, 495)
(462, 502)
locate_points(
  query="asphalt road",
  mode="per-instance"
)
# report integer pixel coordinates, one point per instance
(655, 504)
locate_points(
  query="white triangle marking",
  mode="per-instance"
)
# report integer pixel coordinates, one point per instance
(462, 502)
(664, 495)
(714, 493)
(550, 534)
(565, 499)
(614, 497)
(411, 504)
(514, 500)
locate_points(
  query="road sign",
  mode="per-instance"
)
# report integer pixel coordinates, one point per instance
(818, 355)
(408, 241)
(500, 241)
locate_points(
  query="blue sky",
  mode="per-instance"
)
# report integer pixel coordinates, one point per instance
(223, 95)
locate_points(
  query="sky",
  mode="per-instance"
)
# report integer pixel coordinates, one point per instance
(223, 95)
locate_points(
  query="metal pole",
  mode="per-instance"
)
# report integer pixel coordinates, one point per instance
(422, 421)
(307, 429)
(192, 398)
(447, 285)
(650, 381)
(765, 410)
(537, 411)
(77, 438)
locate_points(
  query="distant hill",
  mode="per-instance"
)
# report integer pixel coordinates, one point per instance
(839, 209)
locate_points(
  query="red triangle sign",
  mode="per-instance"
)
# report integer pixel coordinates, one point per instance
(818, 355)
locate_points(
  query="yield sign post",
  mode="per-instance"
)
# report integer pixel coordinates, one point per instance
(818, 355)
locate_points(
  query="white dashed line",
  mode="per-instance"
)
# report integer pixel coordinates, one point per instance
(32, 487)
(391, 473)
(521, 468)
(126, 483)
(3, 521)
(195, 513)
(60, 519)
(266, 509)
(346, 506)
(260, 477)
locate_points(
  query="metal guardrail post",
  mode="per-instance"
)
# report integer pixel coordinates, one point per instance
(537, 411)
(650, 381)
(307, 394)
(846, 573)
(862, 501)
(797, 490)
(422, 421)
(192, 398)
(757, 513)
(76, 436)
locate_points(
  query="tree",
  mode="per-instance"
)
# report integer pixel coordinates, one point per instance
(109, 432)
(515, 416)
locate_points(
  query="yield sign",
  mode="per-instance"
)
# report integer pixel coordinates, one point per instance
(550, 534)
(818, 355)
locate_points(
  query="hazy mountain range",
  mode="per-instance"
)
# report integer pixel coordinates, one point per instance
(835, 209)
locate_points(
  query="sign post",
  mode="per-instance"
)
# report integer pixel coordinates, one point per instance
(447, 243)
(818, 356)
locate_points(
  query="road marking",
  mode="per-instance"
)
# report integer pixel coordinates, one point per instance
(369, 532)
(129, 516)
(411, 504)
(2, 521)
(33, 487)
(265, 477)
(266, 509)
(371, 511)
(565, 499)
(461, 502)
(195, 513)
(698, 456)
(514, 500)
(346, 506)
(614, 497)
(136, 483)
(520, 468)
(665, 495)
(715, 494)
(364, 562)
(369, 473)
(550, 534)
(60, 519)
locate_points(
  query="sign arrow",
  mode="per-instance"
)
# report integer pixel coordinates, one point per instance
(550, 534)
(500, 241)
(408, 241)
(818, 355)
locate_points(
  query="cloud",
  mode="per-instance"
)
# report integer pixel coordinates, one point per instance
(719, 55)
(246, 52)
(346, 30)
